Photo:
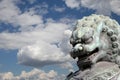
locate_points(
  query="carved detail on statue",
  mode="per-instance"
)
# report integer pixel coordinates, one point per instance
(95, 41)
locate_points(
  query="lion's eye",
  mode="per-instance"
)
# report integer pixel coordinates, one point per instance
(88, 40)
(79, 40)
(74, 42)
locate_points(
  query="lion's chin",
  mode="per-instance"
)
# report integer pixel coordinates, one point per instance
(85, 61)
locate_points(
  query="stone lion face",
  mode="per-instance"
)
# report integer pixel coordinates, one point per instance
(93, 43)
(85, 41)
(94, 39)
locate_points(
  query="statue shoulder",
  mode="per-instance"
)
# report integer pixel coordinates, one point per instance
(111, 72)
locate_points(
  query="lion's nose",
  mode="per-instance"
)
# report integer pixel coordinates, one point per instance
(78, 47)
(77, 50)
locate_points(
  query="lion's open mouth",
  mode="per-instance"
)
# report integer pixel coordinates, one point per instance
(87, 54)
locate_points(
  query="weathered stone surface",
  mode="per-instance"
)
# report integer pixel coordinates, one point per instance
(96, 44)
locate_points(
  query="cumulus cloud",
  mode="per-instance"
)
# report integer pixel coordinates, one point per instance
(47, 48)
(115, 6)
(40, 45)
(72, 3)
(39, 42)
(34, 74)
(49, 45)
(42, 54)
(8, 10)
(52, 32)
(68, 66)
(101, 6)
(27, 20)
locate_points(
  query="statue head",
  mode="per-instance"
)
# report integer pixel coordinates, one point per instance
(95, 38)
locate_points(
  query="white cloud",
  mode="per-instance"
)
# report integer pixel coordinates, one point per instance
(27, 20)
(72, 3)
(39, 43)
(40, 9)
(58, 9)
(8, 10)
(101, 6)
(7, 76)
(42, 46)
(115, 6)
(42, 54)
(10, 13)
(64, 44)
(68, 66)
(52, 32)
(34, 74)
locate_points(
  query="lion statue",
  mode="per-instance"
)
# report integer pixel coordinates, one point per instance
(96, 45)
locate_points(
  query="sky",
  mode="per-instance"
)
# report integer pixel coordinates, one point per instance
(34, 35)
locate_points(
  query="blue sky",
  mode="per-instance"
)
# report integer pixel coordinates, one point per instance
(34, 35)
